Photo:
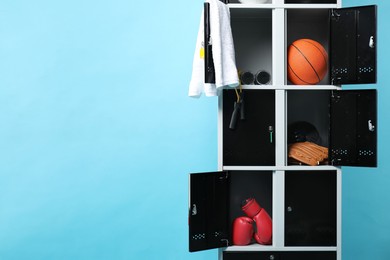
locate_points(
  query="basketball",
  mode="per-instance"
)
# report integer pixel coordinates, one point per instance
(307, 62)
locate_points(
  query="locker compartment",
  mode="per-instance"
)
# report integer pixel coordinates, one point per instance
(251, 139)
(308, 116)
(247, 184)
(310, 208)
(347, 34)
(252, 35)
(309, 24)
(215, 201)
(342, 122)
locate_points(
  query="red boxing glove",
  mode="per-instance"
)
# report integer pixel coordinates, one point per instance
(242, 231)
(263, 221)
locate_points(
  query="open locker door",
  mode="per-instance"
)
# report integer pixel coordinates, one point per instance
(208, 211)
(353, 138)
(353, 45)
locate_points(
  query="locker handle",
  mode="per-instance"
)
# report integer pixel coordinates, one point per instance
(194, 210)
(371, 43)
(371, 127)
(271, 132)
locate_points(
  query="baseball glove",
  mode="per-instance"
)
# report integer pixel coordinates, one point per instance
(307, 153)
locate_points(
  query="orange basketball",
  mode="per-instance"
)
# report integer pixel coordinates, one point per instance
(307, 62)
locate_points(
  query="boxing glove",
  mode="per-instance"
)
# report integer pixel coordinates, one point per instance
(263, 233)
(242, 231)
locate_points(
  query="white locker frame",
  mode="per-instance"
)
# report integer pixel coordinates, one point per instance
(279, 79)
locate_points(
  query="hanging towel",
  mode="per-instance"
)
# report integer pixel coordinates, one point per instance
(223, 53)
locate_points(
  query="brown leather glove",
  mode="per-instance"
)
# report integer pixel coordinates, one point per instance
(308, 153)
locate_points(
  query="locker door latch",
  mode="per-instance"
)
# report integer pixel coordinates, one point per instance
(335, 14)
(225, 242)
(371, 127)
(371, 43)
(194, 211)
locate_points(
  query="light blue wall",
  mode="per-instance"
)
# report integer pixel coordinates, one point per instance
(366, 193)
(97, 134)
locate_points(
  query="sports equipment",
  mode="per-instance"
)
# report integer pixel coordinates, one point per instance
(242, 231)
(263, 234)
(247, 78)
(262, 77)
(307, 62)
(308, 153)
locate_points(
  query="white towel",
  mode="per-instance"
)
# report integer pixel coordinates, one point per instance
(223, 53)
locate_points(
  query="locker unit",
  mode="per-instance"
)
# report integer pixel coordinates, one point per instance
(303, 201)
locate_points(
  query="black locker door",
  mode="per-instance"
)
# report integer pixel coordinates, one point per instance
(208, 211)
(252, 142)
(310, 208)
(308, 256)
(354, 45)
(353, 139)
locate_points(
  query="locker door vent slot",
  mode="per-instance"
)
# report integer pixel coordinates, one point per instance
(366, 70)
(199, 236)
(366, 153)
(339, 152)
